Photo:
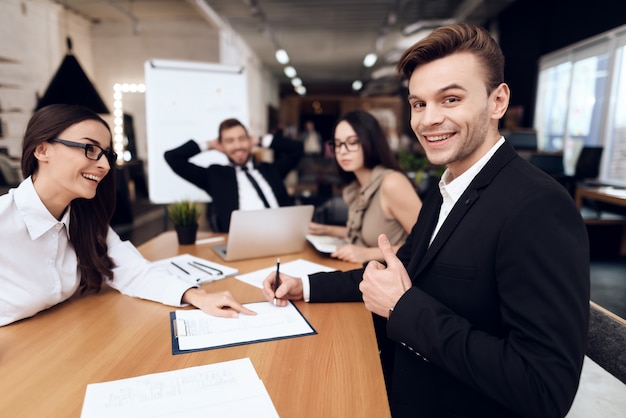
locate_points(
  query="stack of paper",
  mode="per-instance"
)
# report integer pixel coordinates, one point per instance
(230, 389)
(196, 270)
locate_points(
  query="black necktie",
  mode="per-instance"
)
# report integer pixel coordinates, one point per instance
(255, 185)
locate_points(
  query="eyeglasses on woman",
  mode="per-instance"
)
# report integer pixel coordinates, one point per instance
(92, 151)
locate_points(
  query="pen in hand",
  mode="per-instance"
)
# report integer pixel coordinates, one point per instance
(276, 279)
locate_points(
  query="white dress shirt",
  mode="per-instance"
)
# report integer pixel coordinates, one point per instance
(39, 265)
(451, 190)
(248, 197)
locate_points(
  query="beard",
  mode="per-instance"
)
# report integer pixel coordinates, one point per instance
(461, 148)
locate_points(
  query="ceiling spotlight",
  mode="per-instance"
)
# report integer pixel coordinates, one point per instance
(357, 85)
(282, 57)
(296, 82)
(301, 90)
(370, 59)
(290, 71)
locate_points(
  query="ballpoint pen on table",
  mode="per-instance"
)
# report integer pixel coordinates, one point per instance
(212, 278)
(276, 279)
(179, 267)
(209, 267)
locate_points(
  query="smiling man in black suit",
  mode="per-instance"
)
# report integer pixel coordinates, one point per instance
(488, 300)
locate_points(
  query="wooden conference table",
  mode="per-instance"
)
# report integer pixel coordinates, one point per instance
(47, 361)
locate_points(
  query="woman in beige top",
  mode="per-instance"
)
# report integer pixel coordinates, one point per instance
(380, 197)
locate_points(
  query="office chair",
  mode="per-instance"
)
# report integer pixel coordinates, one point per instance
(587, 168)
(588, 163)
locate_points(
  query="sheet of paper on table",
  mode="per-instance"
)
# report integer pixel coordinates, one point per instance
(325, 243)
(295, 268)
(227, 389)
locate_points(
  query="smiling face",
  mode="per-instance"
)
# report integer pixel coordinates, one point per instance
(453, 116)
(65, 173)
(349, 161)
(237, 144)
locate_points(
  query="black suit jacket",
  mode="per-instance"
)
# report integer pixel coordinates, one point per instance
(220, 181)
(495, 324)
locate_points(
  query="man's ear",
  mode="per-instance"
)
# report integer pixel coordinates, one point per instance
(501, 96)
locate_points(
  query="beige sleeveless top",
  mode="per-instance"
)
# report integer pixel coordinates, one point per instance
(366, 219)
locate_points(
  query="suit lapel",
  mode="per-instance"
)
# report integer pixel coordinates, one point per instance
(424, 230)
(471, 195)
(468, 198)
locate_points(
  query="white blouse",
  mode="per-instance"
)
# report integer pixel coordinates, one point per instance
(39, 267)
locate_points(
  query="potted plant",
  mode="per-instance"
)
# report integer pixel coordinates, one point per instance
(184, 215)
(416, 166)
(419, 169)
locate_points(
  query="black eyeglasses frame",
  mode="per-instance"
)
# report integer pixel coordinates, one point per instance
(109, 153)
(349, 146)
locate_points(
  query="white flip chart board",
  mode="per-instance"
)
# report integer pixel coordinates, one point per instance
(188, 100)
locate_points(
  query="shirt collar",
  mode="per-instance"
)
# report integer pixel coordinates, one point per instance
(249, 164)
(37, 218)
(457, 186)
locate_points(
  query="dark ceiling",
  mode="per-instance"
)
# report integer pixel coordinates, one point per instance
(326, 39)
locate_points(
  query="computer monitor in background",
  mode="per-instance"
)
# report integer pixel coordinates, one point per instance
(522, 140)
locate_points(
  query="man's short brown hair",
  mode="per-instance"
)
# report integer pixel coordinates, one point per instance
(227, 124)
(461, 37)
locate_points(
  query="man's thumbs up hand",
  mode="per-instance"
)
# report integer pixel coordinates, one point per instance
(382, 285)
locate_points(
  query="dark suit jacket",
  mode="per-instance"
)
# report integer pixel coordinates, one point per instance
(220, 181)
(495, 324)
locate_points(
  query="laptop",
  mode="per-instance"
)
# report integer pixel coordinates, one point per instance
(266, 232)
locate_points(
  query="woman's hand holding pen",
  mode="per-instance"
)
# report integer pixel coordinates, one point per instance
(289, 288)
(215, 303)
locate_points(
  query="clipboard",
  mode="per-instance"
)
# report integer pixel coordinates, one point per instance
(180, 327)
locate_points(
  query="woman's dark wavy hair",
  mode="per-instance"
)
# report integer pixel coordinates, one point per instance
(376, 150)
(89, 218)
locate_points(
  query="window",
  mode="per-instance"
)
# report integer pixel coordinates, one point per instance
(581, 101)
(615, 148)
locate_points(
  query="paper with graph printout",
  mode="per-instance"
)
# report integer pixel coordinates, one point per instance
(230, 389)
(194, 330)
(295, 268)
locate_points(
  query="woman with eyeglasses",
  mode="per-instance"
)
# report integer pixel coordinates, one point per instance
(55, 225)
(380, 197)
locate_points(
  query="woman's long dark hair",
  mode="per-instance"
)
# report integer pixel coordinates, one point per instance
(89, 218)
(376, 150)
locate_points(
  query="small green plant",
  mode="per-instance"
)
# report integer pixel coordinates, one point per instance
(184, 213)
(418, 167)
(411, 162)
